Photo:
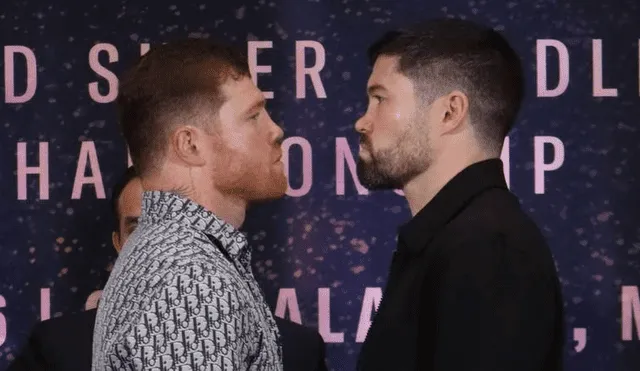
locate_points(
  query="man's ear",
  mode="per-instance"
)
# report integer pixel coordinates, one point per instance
(453, 110)
(188, 145)
(115, 239)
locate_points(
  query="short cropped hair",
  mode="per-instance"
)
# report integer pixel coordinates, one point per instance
(178, 81)
(443, 55)
(120, 185)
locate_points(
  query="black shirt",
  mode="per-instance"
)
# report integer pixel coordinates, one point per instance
(472, 286)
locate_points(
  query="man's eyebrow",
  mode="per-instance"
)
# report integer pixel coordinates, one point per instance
(260, 104)
(375, 87)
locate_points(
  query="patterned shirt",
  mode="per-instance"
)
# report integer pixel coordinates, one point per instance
(182, 296)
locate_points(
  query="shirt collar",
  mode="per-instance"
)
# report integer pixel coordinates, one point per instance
(449, 201)
(158, 206)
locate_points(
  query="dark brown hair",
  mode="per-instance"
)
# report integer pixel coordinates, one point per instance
(175, 82)
(446, 54)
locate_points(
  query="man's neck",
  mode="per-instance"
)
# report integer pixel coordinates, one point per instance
(423, 188)
(230, 209)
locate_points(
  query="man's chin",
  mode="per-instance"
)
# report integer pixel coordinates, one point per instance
(364, 156)
(377, 185)
(276, 189)
(371, 179)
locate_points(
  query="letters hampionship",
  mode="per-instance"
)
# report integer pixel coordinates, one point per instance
(32, 163)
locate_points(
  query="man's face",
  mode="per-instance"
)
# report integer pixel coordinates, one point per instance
(129, 209)
(394, 135)
(245, 153)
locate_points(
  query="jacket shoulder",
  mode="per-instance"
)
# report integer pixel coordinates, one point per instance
(65, 324)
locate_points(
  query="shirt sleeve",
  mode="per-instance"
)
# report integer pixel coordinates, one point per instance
(496, 309)
(199, 320)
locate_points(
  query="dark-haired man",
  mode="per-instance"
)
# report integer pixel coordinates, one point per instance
(182, 294)
(472, 284)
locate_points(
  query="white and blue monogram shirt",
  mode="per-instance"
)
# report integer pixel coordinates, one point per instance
(182, 296)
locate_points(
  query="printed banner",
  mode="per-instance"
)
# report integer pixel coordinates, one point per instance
(322, 253)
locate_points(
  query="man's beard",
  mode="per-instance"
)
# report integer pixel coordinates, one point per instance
(394, 167)
(374, 176)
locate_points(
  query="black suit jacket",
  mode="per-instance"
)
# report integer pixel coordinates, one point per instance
(472, 286)
(65, 344)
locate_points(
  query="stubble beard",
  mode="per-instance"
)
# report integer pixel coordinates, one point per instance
(394, 167)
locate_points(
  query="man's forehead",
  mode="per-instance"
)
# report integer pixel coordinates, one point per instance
(385, 72)
(242, 92)
(130, 193)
